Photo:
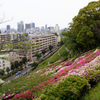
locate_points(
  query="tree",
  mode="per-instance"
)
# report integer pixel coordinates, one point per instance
(50, 47)
(12, 66)
(38, 55)
(16, 64)
(7, 69)
(21, 63)
(43, 51)
(2, 72)
(34, 64)
(86, 25)
(55, 34)
(24, 60)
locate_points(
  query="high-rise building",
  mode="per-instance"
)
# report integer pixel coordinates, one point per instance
(8, 27)
(33, 25)
(20, 26)
(27, 26)
(45, 26)
(57, 28)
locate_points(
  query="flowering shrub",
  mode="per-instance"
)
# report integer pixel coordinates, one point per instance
(71, 88)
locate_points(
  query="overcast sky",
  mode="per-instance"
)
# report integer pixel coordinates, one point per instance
(40, 12)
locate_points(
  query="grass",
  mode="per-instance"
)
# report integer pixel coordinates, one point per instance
(54, 58)
(63, 52)
(93, 94)
(44, 63)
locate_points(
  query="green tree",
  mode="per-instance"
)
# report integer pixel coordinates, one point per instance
(55, 34)
(2, 72)
(38, 55)
(21, 63)
(16, 64)
(34, 64)
(24, 60)
(7, 70)
(43, 51)
(50, 47)
(12, 66)
(86, 25)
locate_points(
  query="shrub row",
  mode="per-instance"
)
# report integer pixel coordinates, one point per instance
(8, 75)
(71, 88)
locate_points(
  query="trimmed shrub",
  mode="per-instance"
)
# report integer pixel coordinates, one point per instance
(71, 88)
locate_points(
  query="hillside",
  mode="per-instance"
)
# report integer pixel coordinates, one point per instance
(57, 81)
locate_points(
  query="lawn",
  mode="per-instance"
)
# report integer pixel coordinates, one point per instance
(54, 58)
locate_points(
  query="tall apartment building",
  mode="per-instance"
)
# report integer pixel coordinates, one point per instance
(43, 42)
(20, 26)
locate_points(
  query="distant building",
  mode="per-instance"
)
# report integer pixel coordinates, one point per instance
(27, 26)
(45, 26)
(20, 26)
(57, 28)
(33, 25)
(8, 27)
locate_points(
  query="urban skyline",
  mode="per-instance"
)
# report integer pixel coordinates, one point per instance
(41, 12)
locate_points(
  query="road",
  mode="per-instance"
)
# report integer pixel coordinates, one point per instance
(23, 72)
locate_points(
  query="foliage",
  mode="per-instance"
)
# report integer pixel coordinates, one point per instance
(2, 72)
(34, 64)
(24, 60)
(55, 34)
(16, 63)
(50, 47)
(71, 88)
(43, 51)
(38, 55)
(7, 69)
(12, 66)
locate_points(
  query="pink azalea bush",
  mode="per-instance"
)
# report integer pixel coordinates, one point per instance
(84, 66)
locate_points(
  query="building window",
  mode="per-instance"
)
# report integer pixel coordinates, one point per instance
(0, 65)
(3, 61)
(3, 64)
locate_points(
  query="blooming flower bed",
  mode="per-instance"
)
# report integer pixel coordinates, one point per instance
(86, 66)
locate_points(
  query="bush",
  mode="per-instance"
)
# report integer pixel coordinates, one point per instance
(93, 76)
(8, 75)
(71, 88)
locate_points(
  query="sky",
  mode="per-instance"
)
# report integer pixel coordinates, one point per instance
(40, 12)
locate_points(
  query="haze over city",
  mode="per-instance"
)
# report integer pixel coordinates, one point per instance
(41, 12)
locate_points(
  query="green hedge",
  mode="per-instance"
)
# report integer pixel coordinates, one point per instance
(70, 89)
(4, 77)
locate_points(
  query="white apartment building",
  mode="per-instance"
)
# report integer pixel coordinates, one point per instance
(43, 42)
(4, 62)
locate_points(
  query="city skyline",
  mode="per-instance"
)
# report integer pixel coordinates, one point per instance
(41, 12)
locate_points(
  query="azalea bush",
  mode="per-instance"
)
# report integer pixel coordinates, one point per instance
(71, 88)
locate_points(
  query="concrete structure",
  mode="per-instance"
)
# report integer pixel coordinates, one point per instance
(5, 37)
(20, 26)
(3, 62)
(43, 42)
